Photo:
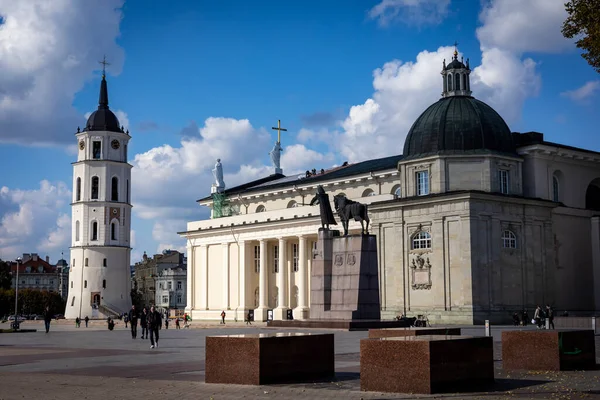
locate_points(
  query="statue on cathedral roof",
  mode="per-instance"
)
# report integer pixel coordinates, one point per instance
(322, 199)
(218, 175)
(276, 157)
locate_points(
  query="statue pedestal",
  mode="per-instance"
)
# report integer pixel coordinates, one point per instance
(344, 281)
(216, 189)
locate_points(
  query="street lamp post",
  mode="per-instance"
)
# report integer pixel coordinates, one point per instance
(16, 322)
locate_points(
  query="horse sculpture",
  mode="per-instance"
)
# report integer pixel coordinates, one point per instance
(347, 209)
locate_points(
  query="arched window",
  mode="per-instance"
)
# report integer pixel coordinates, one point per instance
(421, 240)
(456, 81)
(113, 231)
(555, 193)
(368, 192)
(85, 284)
(128, 190)
(103, 283)
(464, 81)
(77, 231)
(78, 190)
(445, 83)
(114, 193)
(94, 230)
(509, 240)
(261, 208)
(592, 195)
(292, 204)
(397, 191)
(449, 82)
(104, 262)
(95, 185)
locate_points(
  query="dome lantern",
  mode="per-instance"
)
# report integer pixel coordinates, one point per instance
(455, 77)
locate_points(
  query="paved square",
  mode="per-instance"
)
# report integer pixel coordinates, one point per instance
(94, 363)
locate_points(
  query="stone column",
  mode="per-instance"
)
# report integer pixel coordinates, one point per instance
(301, 312)
(225, 249)
(190, 279)
(203, 278)
(263, 303)
(281, 311)
(242, 283)
(595, 237)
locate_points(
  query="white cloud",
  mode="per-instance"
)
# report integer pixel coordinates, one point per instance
(523, 26)
(412, 12)
(48, 50)
(32, 221)
(584, 92)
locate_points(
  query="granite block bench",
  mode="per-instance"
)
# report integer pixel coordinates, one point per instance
(548, 350)
(426, 364)
(396, 332)
(258, 359)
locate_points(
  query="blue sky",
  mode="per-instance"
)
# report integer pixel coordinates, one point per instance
(196, 81)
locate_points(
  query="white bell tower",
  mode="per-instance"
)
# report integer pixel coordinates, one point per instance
(99, 277)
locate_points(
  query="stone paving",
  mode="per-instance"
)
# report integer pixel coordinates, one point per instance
(93, 363)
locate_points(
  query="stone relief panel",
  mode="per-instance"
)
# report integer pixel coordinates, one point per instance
(421, 273)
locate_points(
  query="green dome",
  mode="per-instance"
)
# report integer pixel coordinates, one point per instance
(458, 124)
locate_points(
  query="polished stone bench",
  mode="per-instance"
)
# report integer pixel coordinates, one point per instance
(426, 364)
(258, 359)
(548, 350)
(396, 332)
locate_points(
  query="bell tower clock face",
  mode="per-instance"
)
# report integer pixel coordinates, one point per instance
(81, 145)
(115, 144)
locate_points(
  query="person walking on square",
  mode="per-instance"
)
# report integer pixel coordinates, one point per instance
(166, 322)
(223, 317)
(47, 318)
(550, 316)
(144, 323)
(133, 320)
(537, 317)
(177, 326)
(249, 319)
(126, 320)
(154, 324)
(77, 322)
(86, 321)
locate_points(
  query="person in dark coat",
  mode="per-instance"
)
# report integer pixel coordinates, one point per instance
(322, 199)
(154, 321)
(47, 319)
(87, 320)
(144, 322)
(133, 320)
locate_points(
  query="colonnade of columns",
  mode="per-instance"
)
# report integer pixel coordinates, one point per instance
(199, 304)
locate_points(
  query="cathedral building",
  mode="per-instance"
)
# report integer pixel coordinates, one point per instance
(473, 222)
(99, 275)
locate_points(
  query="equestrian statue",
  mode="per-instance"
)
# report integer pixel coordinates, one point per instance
(347, 209)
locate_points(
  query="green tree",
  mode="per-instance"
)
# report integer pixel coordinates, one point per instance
(5, 275)
(583, 23)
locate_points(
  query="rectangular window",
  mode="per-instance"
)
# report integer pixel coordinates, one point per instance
(295, 257)
(71, 284)
(84, 284)
(257, 259)
(178, 285)
(96, 149)
(165, 299)
(86, 262)
(37, 281)
(73, 264)
(169, 285)
(104, 262)
(503, 179)
(275, 259)
(51, 281)
(160, 286)
(179, 298)
(422, 178)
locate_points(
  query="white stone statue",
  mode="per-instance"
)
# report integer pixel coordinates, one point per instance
(276, 157)
(218, 174)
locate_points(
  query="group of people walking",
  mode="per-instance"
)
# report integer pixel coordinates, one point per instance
(540, 316)
(150, 321)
